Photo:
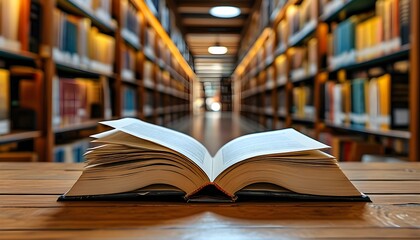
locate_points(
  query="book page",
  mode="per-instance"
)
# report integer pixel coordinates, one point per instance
(174, 140)
(252, 145)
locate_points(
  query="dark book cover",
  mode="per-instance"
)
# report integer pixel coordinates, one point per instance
(211, 193)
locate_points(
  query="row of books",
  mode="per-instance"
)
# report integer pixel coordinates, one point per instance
(131, 23)
(71, 152)
(76, 100)
(303, 60)
(259, 20)
(303, 64)
(76, 42)
(364, 37)
(158, 103)
(358, 38)
(21, 99)
(155, 48)
(100, 9)
(378, 35)
(160, 9)
(375, 103)
(153, 77)
(19, 25)
(356, 147)
(153, 102)
(167, 20)
(301, 19)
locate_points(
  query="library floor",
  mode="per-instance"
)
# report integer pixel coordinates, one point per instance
(213, 129)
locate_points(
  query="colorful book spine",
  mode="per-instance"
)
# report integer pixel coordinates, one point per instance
(4, 101)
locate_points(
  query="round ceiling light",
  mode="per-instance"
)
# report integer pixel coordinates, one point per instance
(218, 50)
(225, 11)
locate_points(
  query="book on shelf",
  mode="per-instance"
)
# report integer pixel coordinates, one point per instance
(77, 100)
(149, 103)
(130, 25)
(281, 101)
(129, 101)
(14, 16)
(128, 71)
(303, 102)
(71, 38)
(404, 18)
(149, 42)
(24, 24)
(148, 74)
(282, 35)
(338, 105)
(71, 152)
(107, 97)
(353, 148)
(281, 70)
(134, 159)
(35, 18)
(4, 101)
(102, 48)
(27, 99)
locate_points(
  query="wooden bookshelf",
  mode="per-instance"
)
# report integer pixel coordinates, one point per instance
(105, 88)
(19, 136)
(249, 96)
(401, 54)
(386, 133)
(341, 9)
(18, 55)
(414, 129)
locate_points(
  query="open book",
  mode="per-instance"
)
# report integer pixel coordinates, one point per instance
(141, 158)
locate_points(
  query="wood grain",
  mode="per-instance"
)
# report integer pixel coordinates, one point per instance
(302, 215)
(392, 174)
(41, 174)
(40, 165)
(29, 210)
(35, 187)
(211, 233)
(409, 166)
(388, 187)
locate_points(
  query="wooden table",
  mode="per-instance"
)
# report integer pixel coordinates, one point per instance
(29, 210)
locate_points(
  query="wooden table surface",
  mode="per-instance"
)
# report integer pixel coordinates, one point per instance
(29, 210)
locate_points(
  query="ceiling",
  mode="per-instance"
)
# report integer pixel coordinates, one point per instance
(203, 30)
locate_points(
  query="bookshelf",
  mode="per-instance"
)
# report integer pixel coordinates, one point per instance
(226, 94)
(86, 61)
(322, 71)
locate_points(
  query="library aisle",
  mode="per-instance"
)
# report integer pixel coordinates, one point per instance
(213, 129)
(344, 72)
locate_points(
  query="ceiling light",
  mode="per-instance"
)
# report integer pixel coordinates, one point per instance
(217, 49)
(225, 11)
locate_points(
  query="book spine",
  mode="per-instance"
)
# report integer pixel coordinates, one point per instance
(4, 101)
(404, 15)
